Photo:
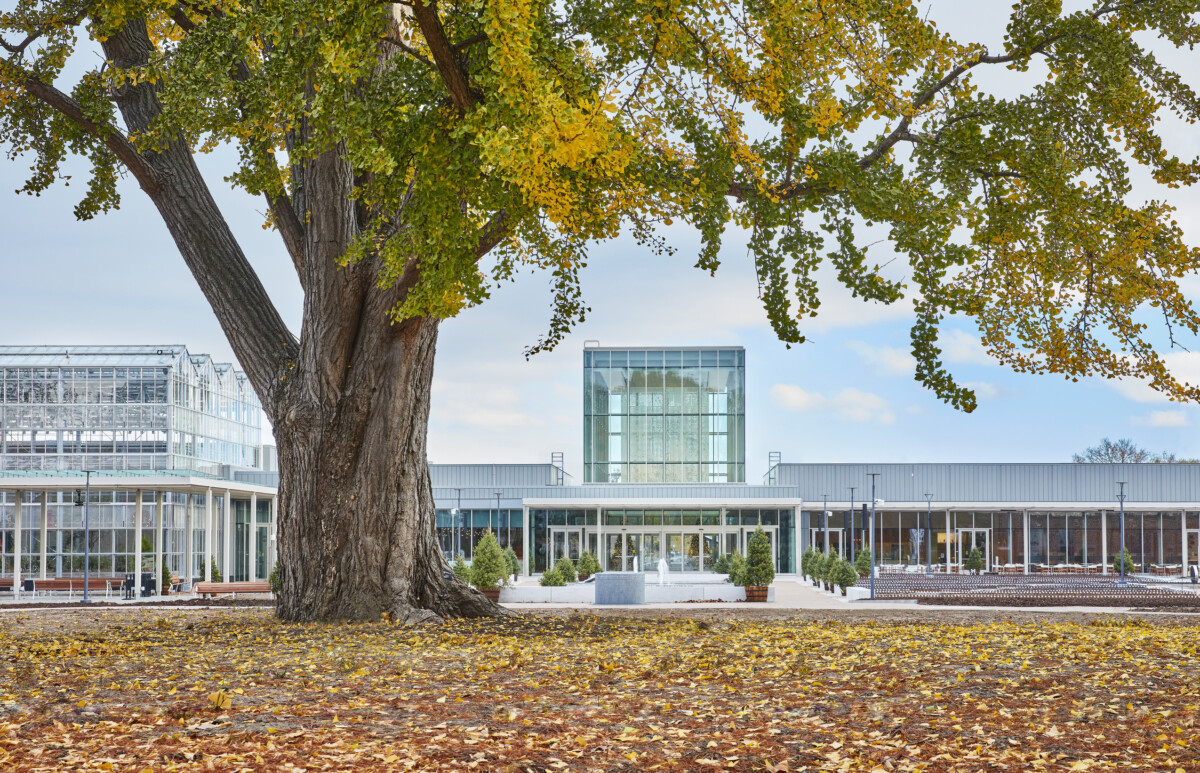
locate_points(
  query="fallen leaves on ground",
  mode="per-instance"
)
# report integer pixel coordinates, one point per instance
(237, 690)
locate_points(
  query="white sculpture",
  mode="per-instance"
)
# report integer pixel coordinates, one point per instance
(662, 571)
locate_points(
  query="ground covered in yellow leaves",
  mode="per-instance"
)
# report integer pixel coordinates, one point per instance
(235, 690)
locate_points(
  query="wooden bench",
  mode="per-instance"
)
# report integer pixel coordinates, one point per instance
(73, 585)
(231, 588)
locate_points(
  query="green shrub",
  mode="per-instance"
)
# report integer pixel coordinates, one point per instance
(844, 575)
(760, 568)
(721, 565)
(565, 568)
(512, 563)
(487, 567)
(806, 563)
(822, 563)
(588, 563)
(1116, 563)
(460, 569)
(275, 580)
(737, 569)
(552, 579)
(216, 573)
(974, 561)
(862, 564)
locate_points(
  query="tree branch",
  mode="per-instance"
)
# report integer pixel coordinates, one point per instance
(443, 54)
(111, 136)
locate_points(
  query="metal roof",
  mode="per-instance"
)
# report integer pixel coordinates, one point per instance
(994, 483)
(90, 356)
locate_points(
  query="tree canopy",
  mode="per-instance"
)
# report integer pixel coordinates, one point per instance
(527, 130)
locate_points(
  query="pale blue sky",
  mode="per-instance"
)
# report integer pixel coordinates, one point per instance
(845, 395)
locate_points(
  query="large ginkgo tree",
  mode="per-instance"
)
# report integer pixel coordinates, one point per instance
(411, 155)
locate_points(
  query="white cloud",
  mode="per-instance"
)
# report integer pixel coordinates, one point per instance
(1161, 419)
(987, 390)
(886, 360)
(850, 403)
(1184, 365)
(962, 348)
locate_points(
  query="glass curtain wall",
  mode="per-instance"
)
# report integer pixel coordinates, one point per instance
(460, 535)
(664, 416)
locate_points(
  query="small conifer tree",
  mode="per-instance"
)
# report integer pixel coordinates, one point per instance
(216, 573)
(862, 562)
(844, 575)
(460, 569)
(737, 569)
(588, 564)
(512, 563)
(165, 578)
(487, 566)
(806, 563)
(760, 567)
(552, 579)
(721, 565)
(974, 561)
(565, 568)
(1116, 563)
(275, 579)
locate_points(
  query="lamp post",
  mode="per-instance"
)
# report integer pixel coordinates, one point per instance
(497, 516)
(87, 536)
(873, 476)
(457, 531)
(1121, 497)
(852, 522)
(929, 532)
(825, 518)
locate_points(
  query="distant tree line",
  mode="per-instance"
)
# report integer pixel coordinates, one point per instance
(1125, 451)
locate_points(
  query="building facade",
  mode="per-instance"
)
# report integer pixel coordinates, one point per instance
(172, 442)
(664, 415)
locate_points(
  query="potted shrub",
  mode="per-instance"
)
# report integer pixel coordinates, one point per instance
(512, 563)
(164, 580)
(806, 564)
(460, 569)
(974, 561)
(588, 565)
(487, 567)
(844, 575)
(566, 568)
(828, 560)
(760, 569)
(721, 565)
(737, 569)
(862, 563)
(275, 580)
(216, 573)
(552, 579)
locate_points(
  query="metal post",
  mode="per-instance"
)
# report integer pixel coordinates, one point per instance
(160, 547)
(929, 533)
(825, 518)
(498, 516)
(87, 537)
(137, 548)
(852, 554)
(872, 476)
(1121, 560)
(457, 530)
(18, 527)
(45, 533)
(209, 532)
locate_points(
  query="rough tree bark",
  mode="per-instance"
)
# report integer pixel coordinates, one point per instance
(348, 400)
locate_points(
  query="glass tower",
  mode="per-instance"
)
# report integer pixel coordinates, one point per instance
(124, 408)
(664, 415)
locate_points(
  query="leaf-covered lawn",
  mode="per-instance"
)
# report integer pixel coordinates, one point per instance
(238, 691)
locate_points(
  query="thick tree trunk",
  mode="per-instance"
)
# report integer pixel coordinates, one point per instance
(356, 520)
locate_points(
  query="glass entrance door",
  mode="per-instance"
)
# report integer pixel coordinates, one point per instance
(565, 542)
(974, 538)
(817, 541)
(1191, 553)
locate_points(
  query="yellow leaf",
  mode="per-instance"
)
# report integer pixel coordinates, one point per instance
(220, 700)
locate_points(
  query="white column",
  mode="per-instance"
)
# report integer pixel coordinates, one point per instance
(1104, 542)
(158, 543)
(1025, 515)
(251, 533)
(188, 551)
(949, 542)
(137, 547)
(17, 545)
(272, 530)
(227, 561)
(209, 531)
(45, 531)
(527, 541)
